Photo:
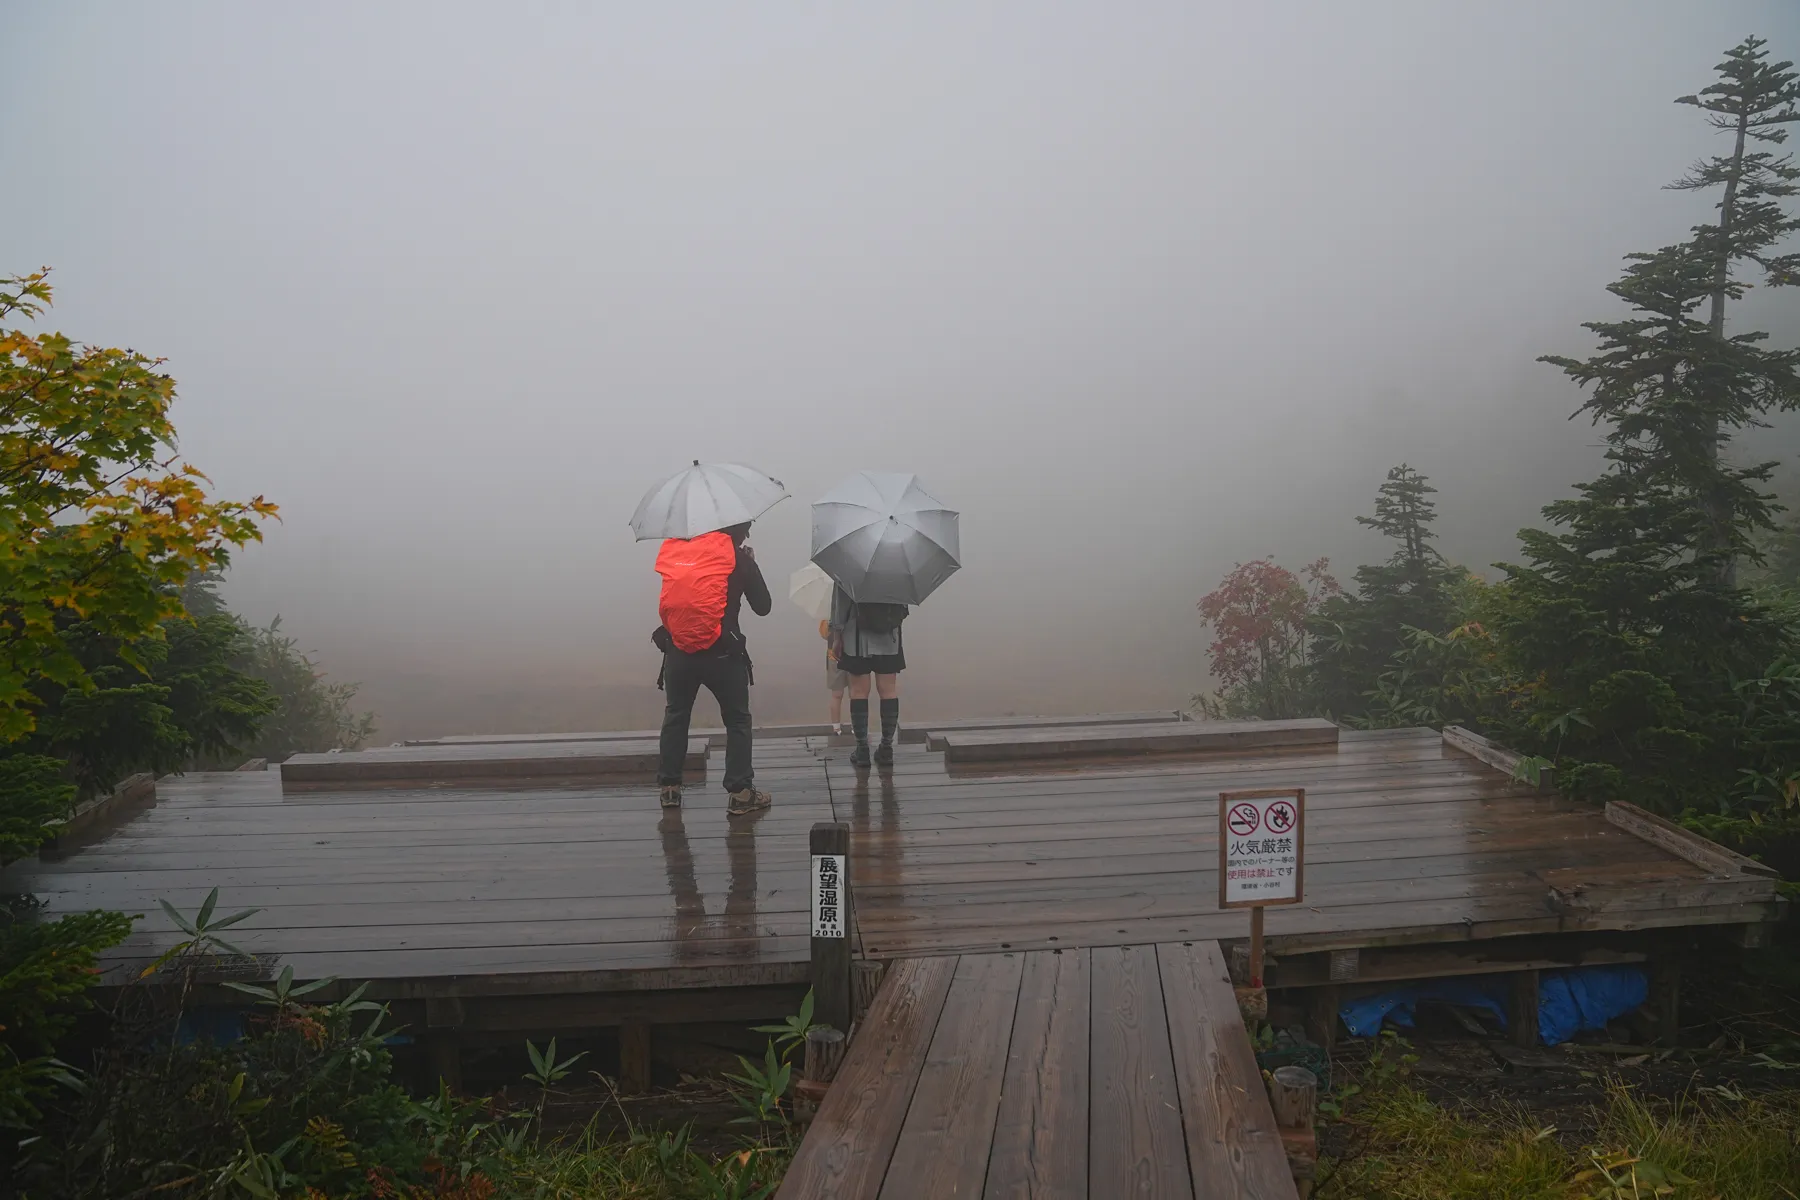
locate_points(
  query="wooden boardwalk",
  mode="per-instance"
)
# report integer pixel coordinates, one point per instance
(567, 890)
(1079, 1074)
(1407, 843)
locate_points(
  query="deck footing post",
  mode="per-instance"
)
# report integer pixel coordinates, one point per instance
(865, 981)
(634, 1057)
(1522, 1013)
(1665, 999)
(1294, 1097)
(444, 1046)
(1322, 1015)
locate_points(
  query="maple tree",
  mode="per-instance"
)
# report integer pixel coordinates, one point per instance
(1260, 614)
(100, 520)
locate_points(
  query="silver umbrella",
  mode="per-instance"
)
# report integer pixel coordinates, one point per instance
(705, 497)
(884, 538)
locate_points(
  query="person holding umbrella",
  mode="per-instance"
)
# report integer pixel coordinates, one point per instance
(887, 543)
(867, 641)
(708, 572)
(812, 590)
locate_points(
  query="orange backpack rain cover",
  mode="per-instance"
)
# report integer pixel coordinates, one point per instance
(696, 576)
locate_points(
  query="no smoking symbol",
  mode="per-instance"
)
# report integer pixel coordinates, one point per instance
(1241, 820)
(1281, 816)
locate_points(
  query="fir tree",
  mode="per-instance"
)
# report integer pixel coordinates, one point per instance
(1624, 627)
(1753, 102)
(1357, 634)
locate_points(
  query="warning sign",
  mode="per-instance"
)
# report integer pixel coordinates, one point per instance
(828, 895)
(1261, 847)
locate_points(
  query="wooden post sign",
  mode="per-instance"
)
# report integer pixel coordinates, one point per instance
(1262, 856)
(830, 887)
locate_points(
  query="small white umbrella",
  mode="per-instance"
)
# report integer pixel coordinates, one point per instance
(705, 497)
(811, 589)
(884, 538)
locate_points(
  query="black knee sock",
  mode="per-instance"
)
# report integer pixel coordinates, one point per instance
(890, 719)
(859, 721)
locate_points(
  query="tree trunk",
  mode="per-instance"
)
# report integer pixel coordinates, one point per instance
(1721, 519)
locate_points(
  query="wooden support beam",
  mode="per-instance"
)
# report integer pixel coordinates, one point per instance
(634, 1057)
(831, 924)
(1522, 1013)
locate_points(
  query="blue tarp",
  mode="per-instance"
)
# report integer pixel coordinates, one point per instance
(1568, 1001)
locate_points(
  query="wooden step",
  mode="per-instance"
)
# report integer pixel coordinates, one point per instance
(463, 763)
(1189, 737)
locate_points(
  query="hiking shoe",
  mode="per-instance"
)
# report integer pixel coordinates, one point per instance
(884, 754)
(671, 795)
(748, 800)
(859, 757)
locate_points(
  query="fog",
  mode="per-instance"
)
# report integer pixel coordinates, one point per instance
(1143, 290)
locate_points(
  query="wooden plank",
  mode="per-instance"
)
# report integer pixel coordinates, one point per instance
(1495, 755)
(944, 1143)
(1233, 1145)
(414, 764)
(847, 1148)
(1683, 843)
(1135, 1135)
(1186, 737)
(1040, 1149)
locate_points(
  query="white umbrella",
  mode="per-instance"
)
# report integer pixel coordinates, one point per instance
(884, 538)
(705, 497)
(811, 589)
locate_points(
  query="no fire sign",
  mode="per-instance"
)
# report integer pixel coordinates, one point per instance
(1262, 847)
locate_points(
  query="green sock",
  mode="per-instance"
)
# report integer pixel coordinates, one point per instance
(859, 721)
(890, 719)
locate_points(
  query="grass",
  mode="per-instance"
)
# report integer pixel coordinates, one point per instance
(590, 1164)
(1722, 1145)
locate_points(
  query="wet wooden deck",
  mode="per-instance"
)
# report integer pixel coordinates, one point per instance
(579, 888)
(1068, 1074)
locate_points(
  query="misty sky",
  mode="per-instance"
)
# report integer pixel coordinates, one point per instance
(1143, 289)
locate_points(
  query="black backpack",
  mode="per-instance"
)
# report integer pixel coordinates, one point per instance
(880, 618)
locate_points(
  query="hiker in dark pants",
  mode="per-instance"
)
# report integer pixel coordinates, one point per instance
(723, 669)
(870, 648)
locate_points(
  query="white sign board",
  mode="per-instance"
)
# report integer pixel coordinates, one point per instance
(828, 895)
(1262, 847)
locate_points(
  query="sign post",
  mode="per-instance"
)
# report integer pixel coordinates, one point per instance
(1262, 857)
(830, 888)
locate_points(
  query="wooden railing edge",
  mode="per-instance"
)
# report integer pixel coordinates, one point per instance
(1665, 834)
(1495, 755)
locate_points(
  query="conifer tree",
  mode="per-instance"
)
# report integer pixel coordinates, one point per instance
(1357, 633)
(1753, 102)
(1624, 626)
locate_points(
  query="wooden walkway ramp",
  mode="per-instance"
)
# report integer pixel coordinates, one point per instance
(1085, 1074)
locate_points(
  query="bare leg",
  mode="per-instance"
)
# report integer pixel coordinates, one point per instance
(859, 686)
(887, 685)
(837, 708)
